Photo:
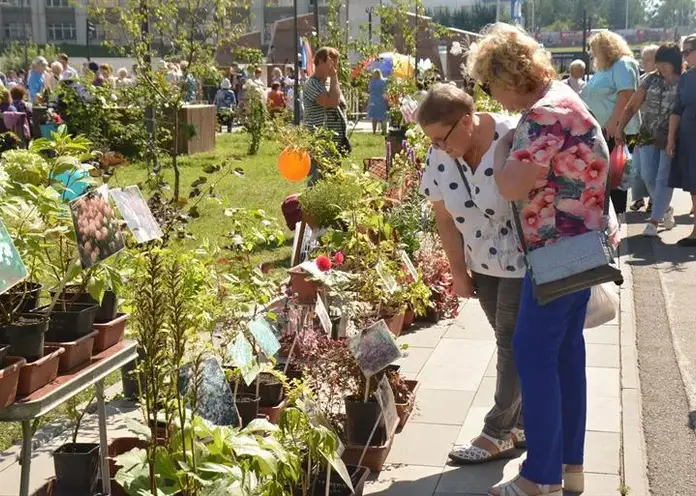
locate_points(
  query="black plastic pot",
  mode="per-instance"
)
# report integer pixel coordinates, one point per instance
(360, 420)
(4, 351)
(358, 476)
(129, 381)
(108, 309)
(26, 336)
(70, 321)
(248, 407)
(270, 390)
(76, 466)
(22, 298)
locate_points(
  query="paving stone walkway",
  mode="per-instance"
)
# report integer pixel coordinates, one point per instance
(455, 364)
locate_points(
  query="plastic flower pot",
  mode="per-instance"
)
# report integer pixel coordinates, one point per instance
(409, 318)
(248, 407)
(26, 336)
(110, 333)
(271, 392)
(395, 323)
(303, 286)
(403, 410)
(4, 351)
(37, 374)
(358, 476)
(76, 466)
(22, 298)
(47, 129)
(70, 321)
(360, 420)
(9, 378)
(273, 413)
(121, 445)
(76, 353)
(108, 308)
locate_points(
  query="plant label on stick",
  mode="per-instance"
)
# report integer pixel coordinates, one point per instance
(240, 352)
(12, 269)
(136, 213)
(215, 402)
(387, 279)
(374, 348)
(265, 337)
(409, 264)
(96, 227)
(385, 398)
(323, 315)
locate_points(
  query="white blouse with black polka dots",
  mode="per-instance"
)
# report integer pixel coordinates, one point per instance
(484, 218)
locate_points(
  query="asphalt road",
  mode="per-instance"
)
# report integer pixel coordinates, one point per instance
(664, 278)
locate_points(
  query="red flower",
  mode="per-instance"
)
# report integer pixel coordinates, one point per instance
(339, 258)
(323, 263)
(57, 119)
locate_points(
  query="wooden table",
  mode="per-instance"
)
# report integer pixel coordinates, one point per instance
(54, 394)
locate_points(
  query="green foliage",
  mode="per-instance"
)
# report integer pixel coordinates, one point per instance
(254, 119)
(467, 18)
(13, 56)
(247, 55)
(330, 197)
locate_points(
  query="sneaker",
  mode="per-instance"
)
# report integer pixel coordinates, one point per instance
(637, 205)
(650, 230)
(668, 220)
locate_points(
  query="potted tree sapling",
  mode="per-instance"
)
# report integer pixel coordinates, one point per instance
(76, 464)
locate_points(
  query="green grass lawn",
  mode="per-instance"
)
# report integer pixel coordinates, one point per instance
(261, 187)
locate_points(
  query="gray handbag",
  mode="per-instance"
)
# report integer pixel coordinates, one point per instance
(570, 264)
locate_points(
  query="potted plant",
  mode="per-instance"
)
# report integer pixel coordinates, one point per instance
(9, 379)
(76, 464)
(404, 395)
(323, 203)
(435, 269)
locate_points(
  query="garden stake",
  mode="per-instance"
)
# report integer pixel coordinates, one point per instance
(61, 286)
(367, 391)
(328, 480)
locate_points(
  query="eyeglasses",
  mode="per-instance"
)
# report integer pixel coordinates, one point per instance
(686, 53)
(486, 88)
(442, 144)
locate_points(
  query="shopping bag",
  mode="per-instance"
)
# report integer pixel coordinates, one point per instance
(617, 164)
(603, 305)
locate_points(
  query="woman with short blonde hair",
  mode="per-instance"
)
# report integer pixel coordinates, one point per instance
(607, 93)
(576, 71)
(557, 175)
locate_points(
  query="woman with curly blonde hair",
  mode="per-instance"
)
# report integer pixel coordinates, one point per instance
(607, 93)
(557, 175)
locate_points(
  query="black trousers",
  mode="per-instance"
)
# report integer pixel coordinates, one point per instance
(619, 198)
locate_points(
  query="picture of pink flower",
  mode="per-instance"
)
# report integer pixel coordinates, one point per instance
(595, 174)
(96, 227)
(568, 164)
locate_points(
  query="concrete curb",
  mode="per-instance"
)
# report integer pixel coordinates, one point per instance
(633, 450)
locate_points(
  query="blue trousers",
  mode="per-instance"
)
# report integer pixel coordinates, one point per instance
(549, 350)
(655, 166)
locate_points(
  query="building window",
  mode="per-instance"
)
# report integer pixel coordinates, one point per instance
(17, 31)
(57, 3)
(16, 3)
(61, 32)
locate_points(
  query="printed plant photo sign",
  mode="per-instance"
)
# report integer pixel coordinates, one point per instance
(409, 264)
(12, 269)
(136, 213)
(374, 349)
(265, 337)
(96, 227)
(323, 315)
(385, 398)
(388, 279)
(215, 402)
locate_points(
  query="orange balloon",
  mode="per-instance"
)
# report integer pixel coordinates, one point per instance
(294, 164)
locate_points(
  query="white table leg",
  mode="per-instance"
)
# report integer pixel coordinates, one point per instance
(103, 444)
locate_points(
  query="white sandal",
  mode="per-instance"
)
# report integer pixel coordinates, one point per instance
(573, 482)
(512, 489)
(472, 455)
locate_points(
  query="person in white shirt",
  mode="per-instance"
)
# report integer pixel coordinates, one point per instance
(68, 72)
(476, 226)
(577, 75)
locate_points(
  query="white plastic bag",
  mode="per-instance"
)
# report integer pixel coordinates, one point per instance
(603, 305)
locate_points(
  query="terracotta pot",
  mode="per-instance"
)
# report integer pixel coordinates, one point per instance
(9, 378)
(37, 374)
(110, 333)
(375, 456)
(404, 410)
(76, 352)
(395, 323)
(409, 318)
(122, 445)
(273, 412)
(302, 285)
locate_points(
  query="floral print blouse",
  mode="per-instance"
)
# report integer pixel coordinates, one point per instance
(559, 134)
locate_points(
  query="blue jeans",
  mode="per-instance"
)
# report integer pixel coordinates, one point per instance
(638, 189)
(654, 170)
(550, 355)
